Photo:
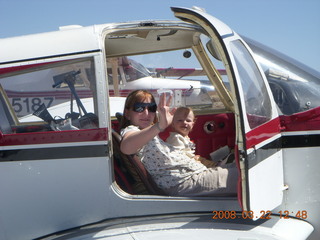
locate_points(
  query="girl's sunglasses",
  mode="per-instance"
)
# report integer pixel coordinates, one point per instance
(140, 107)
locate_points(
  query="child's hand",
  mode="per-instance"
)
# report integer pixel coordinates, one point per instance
(197, 157)
(206, 162)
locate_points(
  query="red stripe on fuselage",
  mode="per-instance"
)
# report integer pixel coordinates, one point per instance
(263, 132)
(304, 121)
(84, 135)
(299, 122)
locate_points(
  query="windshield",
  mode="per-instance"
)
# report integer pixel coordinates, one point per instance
(295, 86)
(133, 70)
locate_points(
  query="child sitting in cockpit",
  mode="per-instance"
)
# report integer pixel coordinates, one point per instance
(182, 124)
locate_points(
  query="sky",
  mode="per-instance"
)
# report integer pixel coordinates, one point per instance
(289, 26)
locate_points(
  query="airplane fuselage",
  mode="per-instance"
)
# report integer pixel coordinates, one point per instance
(61, 174)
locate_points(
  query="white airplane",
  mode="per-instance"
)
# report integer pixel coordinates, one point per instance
(62, 176)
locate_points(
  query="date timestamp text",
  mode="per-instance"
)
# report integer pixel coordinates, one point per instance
(302, 214)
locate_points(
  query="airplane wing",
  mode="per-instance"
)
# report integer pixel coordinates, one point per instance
(191, 226)
(183, 72)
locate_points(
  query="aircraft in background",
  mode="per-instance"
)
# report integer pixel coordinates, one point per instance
(63, 177)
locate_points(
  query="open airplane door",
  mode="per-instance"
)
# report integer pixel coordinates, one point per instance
(258, 146)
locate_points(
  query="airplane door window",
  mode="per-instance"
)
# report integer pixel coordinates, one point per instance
(257, 102)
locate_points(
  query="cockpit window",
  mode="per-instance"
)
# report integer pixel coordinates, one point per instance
(134, 70)
(127, 70)
(57, 96)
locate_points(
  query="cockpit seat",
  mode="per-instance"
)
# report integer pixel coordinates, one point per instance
(145, 177)
(133, 170)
